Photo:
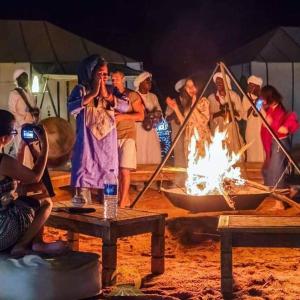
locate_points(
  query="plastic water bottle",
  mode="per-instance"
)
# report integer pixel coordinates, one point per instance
(110, 195)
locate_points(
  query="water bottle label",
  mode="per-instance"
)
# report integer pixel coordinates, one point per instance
(111, 189)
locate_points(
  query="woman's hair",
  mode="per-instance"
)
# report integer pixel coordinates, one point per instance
(87, 67)
(186, 99)
(271, 95)
(6, 122)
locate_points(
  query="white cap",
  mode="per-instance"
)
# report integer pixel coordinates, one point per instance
(255, 80)
(220, 75)
(17, 73)
(180, 84)
(143, 76)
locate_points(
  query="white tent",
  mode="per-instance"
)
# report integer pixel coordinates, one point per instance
(275, 56)
(52, 54)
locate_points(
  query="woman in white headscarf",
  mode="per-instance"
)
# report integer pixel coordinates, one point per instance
(198, 121)
(147, 141)
(220, 112)
(256, 151)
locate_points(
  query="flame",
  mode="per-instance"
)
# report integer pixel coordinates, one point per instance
(207, 174)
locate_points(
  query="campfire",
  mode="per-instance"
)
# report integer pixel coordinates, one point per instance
(214, 181)
(214, 173)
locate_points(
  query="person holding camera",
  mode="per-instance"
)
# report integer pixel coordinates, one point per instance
(147, 142)
(23, 105)
(93, 104)
(252, 135)
(22, 218)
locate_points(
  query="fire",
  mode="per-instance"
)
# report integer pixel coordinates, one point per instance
(209, 174)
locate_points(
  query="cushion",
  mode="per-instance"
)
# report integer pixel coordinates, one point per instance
(75, 275)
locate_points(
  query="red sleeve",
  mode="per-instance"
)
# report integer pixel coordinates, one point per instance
(291, 122)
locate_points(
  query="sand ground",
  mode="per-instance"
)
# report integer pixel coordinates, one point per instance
(192, 259)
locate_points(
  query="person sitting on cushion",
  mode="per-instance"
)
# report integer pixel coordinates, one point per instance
(22, 219)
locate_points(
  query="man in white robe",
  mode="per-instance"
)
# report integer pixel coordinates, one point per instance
(256, 151)
(21, 111)
(220, 112)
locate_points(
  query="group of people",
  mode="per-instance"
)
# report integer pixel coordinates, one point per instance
(214, 112)
(111, 135)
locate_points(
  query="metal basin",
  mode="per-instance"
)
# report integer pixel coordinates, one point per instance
(211, 203)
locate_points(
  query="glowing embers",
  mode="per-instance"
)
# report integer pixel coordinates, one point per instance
(214, 173)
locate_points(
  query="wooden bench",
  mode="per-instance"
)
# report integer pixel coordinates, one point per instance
(129, 222)
(253, 231)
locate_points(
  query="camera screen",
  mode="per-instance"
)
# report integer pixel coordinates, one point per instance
(28, 134)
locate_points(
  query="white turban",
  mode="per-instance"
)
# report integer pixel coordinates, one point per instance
(143, 76)
(255, 80)
(179, 84)
(220, 75)
(17, 73)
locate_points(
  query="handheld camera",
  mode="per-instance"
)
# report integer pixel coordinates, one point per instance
(28, 132)
(259, 104)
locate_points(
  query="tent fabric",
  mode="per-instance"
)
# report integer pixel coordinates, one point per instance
(279, 45)
(71, 68)
(40, 42)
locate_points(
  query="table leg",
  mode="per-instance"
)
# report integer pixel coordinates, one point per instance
(226, 265)
(73, 240)
(109, 261)
(158, 248)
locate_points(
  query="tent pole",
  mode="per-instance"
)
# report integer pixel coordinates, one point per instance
(44, 91)
(58, 97)
(51, 99)
(180, 131)
(292, 161)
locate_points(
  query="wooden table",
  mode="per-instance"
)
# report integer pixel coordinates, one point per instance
(129, 222)
(253, 231)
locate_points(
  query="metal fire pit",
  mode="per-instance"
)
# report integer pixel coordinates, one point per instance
(211, 203)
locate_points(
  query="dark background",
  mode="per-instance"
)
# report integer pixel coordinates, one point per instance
(172, 38)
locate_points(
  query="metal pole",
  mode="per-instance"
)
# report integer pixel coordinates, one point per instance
(228, 99)
(181, 129)
(292, 161)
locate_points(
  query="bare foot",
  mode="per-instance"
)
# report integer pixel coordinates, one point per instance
(54, 248)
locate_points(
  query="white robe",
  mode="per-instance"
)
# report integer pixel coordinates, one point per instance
(256, 151)
(232, 143)
(19, 109)
(147, 142)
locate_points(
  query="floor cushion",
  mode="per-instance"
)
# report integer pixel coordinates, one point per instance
(75, 275)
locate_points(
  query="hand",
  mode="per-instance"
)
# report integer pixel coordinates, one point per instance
(171, 103)
(96, 84)
(283, 130)
(118, 117)
(42, 135)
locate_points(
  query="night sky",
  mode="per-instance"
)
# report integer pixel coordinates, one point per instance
(172, 38)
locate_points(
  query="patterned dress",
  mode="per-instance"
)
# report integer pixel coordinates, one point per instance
(15, 215)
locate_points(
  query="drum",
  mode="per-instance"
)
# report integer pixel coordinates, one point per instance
(61, 138)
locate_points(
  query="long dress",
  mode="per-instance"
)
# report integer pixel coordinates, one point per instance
(179, 158)
(215, 103)
(256, 151)
(93, 156)
(147, 142)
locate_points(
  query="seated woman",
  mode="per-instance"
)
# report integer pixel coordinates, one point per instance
(199, 119)
(22, 219)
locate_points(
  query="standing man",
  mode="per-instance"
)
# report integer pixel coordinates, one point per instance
(256, 151)
(23, 105)
(126, 132)
(220, 111)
